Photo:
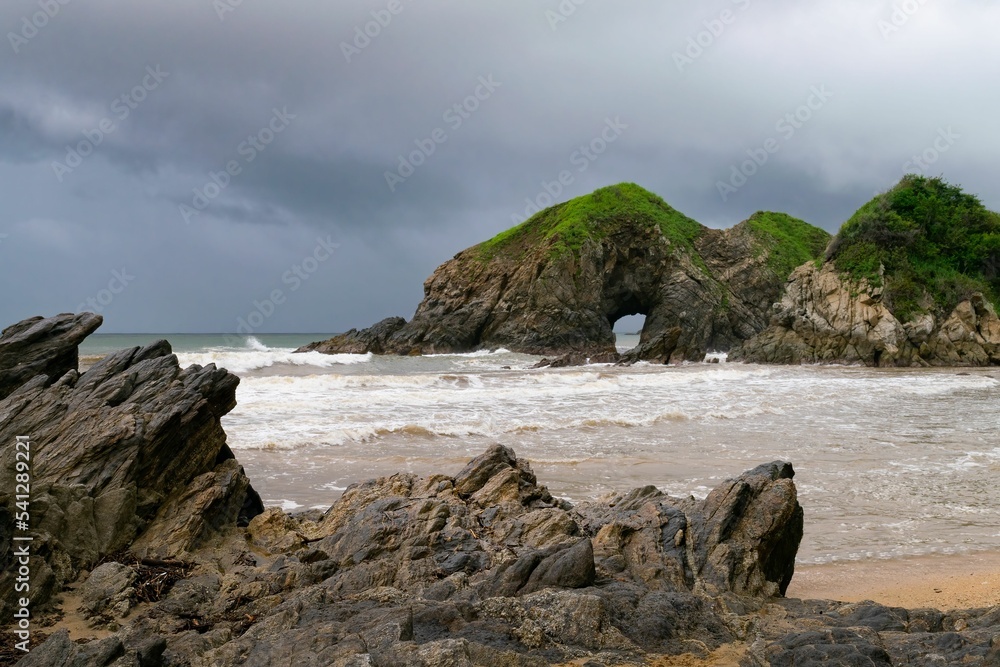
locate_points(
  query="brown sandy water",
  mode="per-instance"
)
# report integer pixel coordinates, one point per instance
(889, 463)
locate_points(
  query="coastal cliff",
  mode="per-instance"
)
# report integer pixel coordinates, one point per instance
(912, 279)
(556, 284)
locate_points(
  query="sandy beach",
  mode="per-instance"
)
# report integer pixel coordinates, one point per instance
(944, 582)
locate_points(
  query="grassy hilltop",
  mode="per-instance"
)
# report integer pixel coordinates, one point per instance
(792, 242)
(564, 228)
(927, 243)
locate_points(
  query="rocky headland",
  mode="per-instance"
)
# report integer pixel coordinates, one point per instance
(912, 279)
(146, 529)
(556, 284)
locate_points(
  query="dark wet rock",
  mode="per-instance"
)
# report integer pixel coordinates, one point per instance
(822, 632)
(742, 538)
(486, 568)
(569, 567)
(373, 339)
(660, 349)
(206, 508)
(59, 651)
(835, 646)
(42, 346)
(747, 532)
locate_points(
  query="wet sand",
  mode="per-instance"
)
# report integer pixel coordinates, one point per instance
(945, 582)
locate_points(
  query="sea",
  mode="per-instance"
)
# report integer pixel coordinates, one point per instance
(889, 462)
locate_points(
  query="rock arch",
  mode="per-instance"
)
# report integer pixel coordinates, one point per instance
(557, 283)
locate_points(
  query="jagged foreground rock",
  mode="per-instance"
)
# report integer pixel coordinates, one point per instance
(484, 568)
(481, 568)
(39, 346)
(133, 447)
(557, 284)
(487, 568)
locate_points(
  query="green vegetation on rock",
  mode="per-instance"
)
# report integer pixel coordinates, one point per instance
(929, 244)
(792, 242)
(565, 227)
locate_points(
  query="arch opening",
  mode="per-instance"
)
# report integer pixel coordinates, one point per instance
(627, 330)
(629, 295)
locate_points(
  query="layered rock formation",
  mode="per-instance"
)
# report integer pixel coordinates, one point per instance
(132, 447)
(825, 317)
(556, 284)
(42, 346)
(912, 279)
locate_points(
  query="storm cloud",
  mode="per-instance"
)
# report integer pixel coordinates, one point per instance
(188, 158)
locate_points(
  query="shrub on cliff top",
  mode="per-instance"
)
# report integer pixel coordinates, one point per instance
(929, 244)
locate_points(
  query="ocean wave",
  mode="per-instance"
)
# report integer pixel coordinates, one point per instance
(945, 384)
(454, 422)
(260, 356)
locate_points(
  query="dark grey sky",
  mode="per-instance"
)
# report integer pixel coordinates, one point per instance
(309, 116)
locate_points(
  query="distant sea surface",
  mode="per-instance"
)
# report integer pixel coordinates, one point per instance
(888, 463)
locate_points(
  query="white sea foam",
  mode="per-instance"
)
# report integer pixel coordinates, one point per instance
(254, 344)
(335, 409)
(257, 356)
(285, 504)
